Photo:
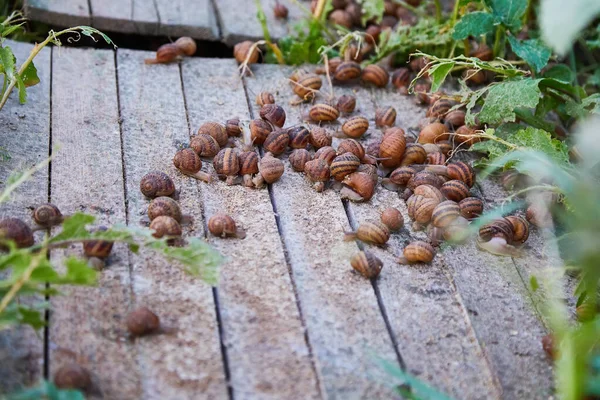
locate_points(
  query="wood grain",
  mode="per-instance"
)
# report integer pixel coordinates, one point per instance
(62, 13)
(126, 16)
(195, 18)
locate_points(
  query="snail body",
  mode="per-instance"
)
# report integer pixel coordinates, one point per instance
(216, 130)
(223, 225)
(417, 251)
(188, 163)
(16, 230)
(366, 264)
(47, 215)
(165, 226)
(248, 161)
(359, 186)
(165, 54)
(270, 170)
(142, 322)
(156, 184)
(371, 232)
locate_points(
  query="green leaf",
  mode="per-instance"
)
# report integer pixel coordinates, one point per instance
(561, 21)
(47, 390)
(560, 72)
(22, 90)
(509, 12)
(8, 60)
(438, 74)
(79, 272)
(90, 32)
(30, 76)
(504, 97)
(74, 227)
(587, 106)
(372, 9)
(533, 281)
(31, 317)
(473, 24)
(533, 51)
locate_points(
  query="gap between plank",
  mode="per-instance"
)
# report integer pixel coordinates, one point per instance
(90, 12)
(217, 16)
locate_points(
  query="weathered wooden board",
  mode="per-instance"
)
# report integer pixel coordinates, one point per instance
(188, 362)
(87, 323)
(239, 22)
(263, 331)
(25, 139)
(129, 16)
(63, 13)
(345, 325)
(195, 18)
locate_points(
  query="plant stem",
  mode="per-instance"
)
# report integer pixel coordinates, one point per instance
(415, 10)
(498, 42)
(9, 296)
(263, 22)
(438, 11)
(319, 8)
(455, 12)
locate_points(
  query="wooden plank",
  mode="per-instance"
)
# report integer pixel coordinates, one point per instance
(345, 324)
(25, 140)
(193, 18)
(263, 331)
(189, 362)
(87, 323)
(235, 29)
(436, 339)
(129, 16)
(62, 13)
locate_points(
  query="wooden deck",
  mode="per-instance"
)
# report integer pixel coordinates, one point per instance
(229, 21)
(289, 319)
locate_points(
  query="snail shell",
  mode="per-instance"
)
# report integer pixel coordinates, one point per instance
(165, 54)
(259, 131)
(413, 154)
(248, 161)
(369, 169)
(385, 116)
(420, 208)
(317, 171)
(445, 213)
(417, 252)
(401, 176)
(471, 207)
(392, 218)
(430, 192)
(274, 114)
(156, 184)
(241, 51)
(264, 98)
(341, 17)
(186, 45)
(226, 163)
(97, 248)
(455, 119)
(270, 169)
(440, 108)
(232, 127)
(466, 134)
(372, 34)
(16, 230)
(187, 161)
(343, 165)
(462, 172)
(73, 376)
(401, 79)
(362, 186)
(436, 158)
(47, 215)
(165, 226)
(347, 70)
(326, 154)
(445, 147)
(351, 146)
(392, 149)
(424, 178)
(164, 206)
(280, 11)
(205, 145)
(371, 232)
(277, 141)
(215, 130)
(365, 263)
(299, 158)
(306, 86)
(520, 228)
(297, 74)
(433, 133)
(500, 227)
(355, 127)
(346, 103)
(299, 137)
(455, 190)
(142, 322)
(376, 75)
(421, 95)
(223, 225)
(418, 63)
(323, 112)
(319, 138)
(483, 52)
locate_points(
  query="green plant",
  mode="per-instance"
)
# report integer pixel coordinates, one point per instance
(46, 391)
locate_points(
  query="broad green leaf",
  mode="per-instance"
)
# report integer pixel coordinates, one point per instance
(533, 51)
(473, 24)
(22, 89)
(561, 21)
(30, 76)
(32, 317)
(8, 60)
(504, 97)
(74, 227)
(509, 12)
(561, 73)
(587, 106)
(438, 74)
(372, 9)
(79, 272)
(46, 390)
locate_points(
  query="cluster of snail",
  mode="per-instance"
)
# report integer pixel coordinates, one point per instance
(184, 46)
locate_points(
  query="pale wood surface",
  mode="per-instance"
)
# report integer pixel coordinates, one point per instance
(63, 13)
(187, 18)
(126, 16)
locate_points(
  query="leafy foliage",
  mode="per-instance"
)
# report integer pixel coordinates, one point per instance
(372, 10)
(473, 24)
(508, 12)
(533, 51)
(304, 45)
(47, 391)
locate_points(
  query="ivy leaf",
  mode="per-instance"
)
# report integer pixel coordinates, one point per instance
(372, 9)
(438, 74)
(30, 76)
(473, 24)
(561, 72)
(533, 51)
(32, 317)
(509, 12)
(504, 97)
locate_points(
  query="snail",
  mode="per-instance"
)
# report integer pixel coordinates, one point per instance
(342, 18)
(259, 131)
(467, 135)
(497, 238)
(297, 74)
(418, 63)
(347, 70)
(421, 90)
(375, 75)
(372, 34)
(455, 190)
(471, 207)
(264, 98)
(142, 321)
(299, 158)
(16, 230)
(343, 165)
(433, 132)
(371, 232)
(317, 171)
(455, 119)
(392, 148)
(188, 163)
(277, 141)
(351, 146)
(323, 112)
(346, 103)
(326, 154)
(359, 186)
(164, 206)
(223, 225)
(232, 127)
(73, 376)
(435, 235)
(319, 138)
(483, 52)
(299, 137)
(99, 249)
(429, 192)
(355, 127)
(539, 215)
(280, 11)
(385, 116)
(462, 172)
(445, 147)
(165, 226)
(270, 170)
(273, 113)
(245, 50)
(401, 80)
(186, 45)
(205, 145)
(306, 86)
(420, 209)
(165, 54)
(366, 264)
(436, 158)
(216, 130)
(424, 178)
(392, 218)
(444, 213)
(416, 252)
(156, 184)
(440, 108)
(226, 163)
(457, 232)
(47, 215)
(549, 346)
(401, 175)
(248, 161)
(520, 228)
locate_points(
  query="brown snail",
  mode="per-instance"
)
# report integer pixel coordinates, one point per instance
(306, 86)
(455, 119)
(539, 215)
(429, 192)
(232, 127)
(520, 228)
(73, 376)
(420, 209)
(359, 186)
(16, 230)
(259, 131)
(226, 163)
(323, 112)
(319, 138)
(188, 163)
(205, 145)
(47, 215)
(424, 178)
(445, 147)
(401, 79)
(445, 213)
(264, 98)
(273, 113)
(392, 218)
(270, 170)
(440, 108)
(433, 133)
(186, 45)
(248, 161)
(317, 171)
(216, 130)
(371, 232)
(98, 248)
(385, 116)
(142, 321)
(326, 154)
(467, 135)
(156, 184)
(164, 206)
(347, 70)
(165, 226)
(392, 148)
(277, 141)
(366, 264)
(375, 75)
(401, 175)
(246, 50)
(455, 190)
(471, 207)
(346, 103)
(343, 165)
(299, 158)
(417, 252)
(223, 225)
(436, 158)
(462, 172)
(280, 11)
(165, 54)
(351, 146)
(497, 238)
(341, 17)
(355, 127)
(299, 137)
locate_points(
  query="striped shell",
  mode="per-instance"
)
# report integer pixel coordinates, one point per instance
(445, 147)
(420, 208)
(259, 131)
(317, 170)
(155, 184)
(346, 103)
(385, 116)
(424, 178)
(248, 161)
(271, 168)
(343, 165)
(205, 145)
(187, 161)
(440, 108)
(299, 137)
(445, 213)
(413, 154)
(351, 146)
(319, 138)
(326, 154)
(355, 127)
(347, 70)
(462, 172)
(418, 252)
(16, 230)
(216, 130)
(466, 134)
(323, 112)
(471, 207)
(47, 215)
(376, 75)
(277, 141)
(299, 158)
(164, 206)
(401, 176)
(98, 248)
(371, 232)
(274, 114)
(455, 118)
(392, 218)
(306, 85)
(392, 149)
(455, 190)
(401, 78)
(500, 227)
(520, 228)
(366, 264)
(429, 192)
(226, 162)
(362, 184)
(433, 133)
(222, 225)
(436, 158)
(232, 127)
(264, 98)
